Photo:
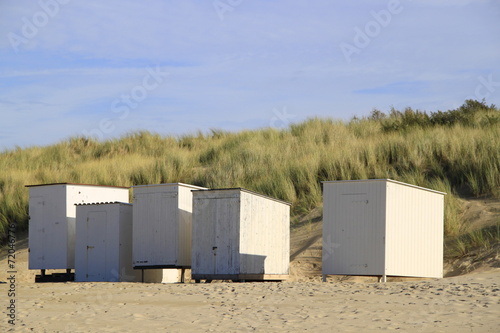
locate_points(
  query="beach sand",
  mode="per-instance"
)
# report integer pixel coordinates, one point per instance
(466, 303)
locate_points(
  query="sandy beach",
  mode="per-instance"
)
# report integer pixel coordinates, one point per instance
(467, 303)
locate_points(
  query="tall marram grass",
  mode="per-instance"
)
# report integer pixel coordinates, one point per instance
(479, 240)
(457, 151)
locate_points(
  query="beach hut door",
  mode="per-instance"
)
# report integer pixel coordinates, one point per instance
(96, 250)
(226, 237)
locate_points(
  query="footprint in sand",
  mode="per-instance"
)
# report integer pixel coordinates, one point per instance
(139, 316)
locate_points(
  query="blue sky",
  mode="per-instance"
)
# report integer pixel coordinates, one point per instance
(105, 69)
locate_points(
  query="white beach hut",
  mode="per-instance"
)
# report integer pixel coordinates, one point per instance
(240, 235)
(162, 218)
(382, 227)
(52, 214)
(103, 249)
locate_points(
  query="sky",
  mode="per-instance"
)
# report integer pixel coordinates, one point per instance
(110, 68)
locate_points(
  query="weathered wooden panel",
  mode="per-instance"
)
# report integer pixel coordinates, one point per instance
(162, 225)
(239, 232)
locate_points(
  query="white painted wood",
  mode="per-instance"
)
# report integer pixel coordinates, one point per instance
(238, 232)
(382, 227)
(353, 229)
(162, 225)
(165, 275)
(93, 248)
(52, 214)
(104, 243)
(414, 234)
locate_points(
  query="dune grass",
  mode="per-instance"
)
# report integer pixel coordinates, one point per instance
(457, 152)
(478, 240)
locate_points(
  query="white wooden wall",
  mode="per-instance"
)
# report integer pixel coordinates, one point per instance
(162, 225)
(354, 228)
(103, 249)
(216, 228)
(264, 235)
(240, 232)
(415, 231)
(49, 243)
